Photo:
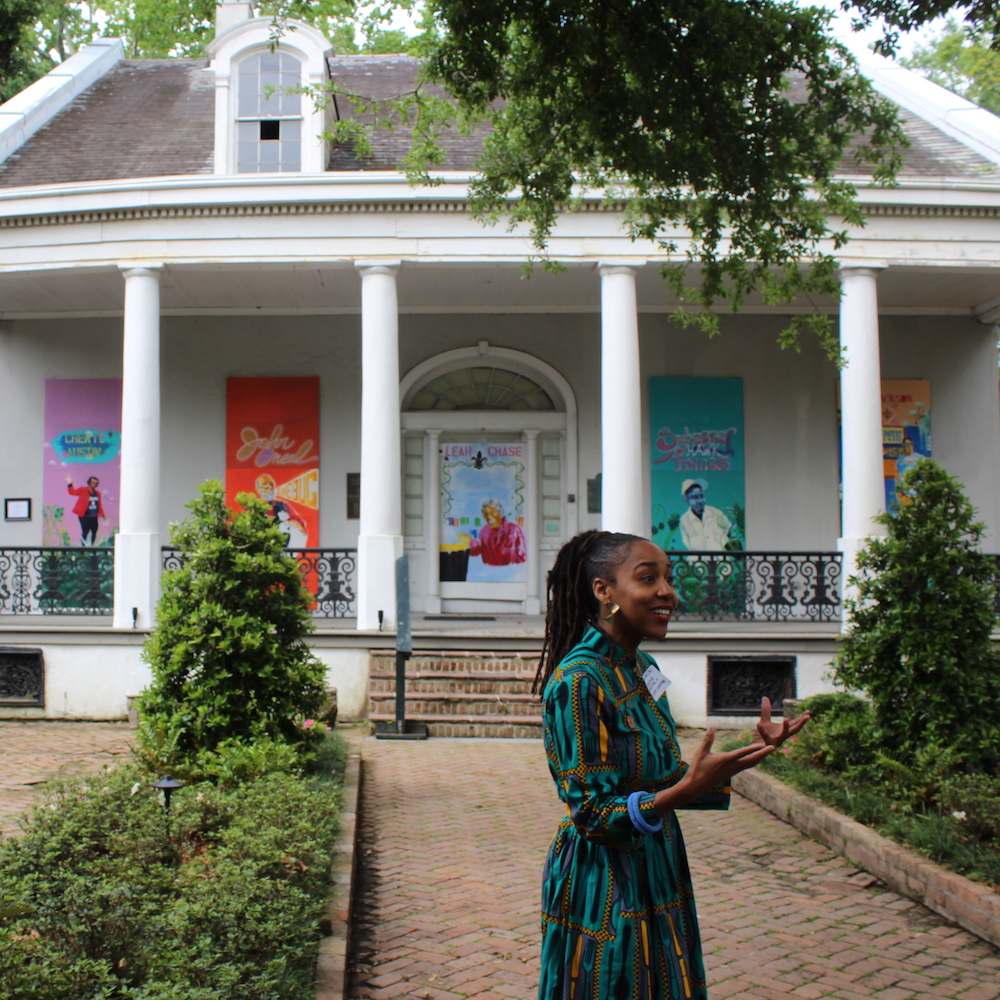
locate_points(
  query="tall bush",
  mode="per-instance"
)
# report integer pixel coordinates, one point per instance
(229, 654)
(920, 643)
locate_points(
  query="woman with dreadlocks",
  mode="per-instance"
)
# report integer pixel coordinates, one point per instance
(618, 916)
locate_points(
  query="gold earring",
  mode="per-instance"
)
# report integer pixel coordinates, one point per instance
(612, 610)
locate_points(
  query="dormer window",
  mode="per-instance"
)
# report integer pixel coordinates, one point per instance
(269, 118)
(262, 124)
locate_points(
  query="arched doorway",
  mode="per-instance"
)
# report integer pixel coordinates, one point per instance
(489, 474)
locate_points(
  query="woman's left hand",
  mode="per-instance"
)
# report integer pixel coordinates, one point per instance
(773, 734)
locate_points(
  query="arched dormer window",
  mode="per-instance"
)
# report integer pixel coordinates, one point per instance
(259, 126)
(268, 115)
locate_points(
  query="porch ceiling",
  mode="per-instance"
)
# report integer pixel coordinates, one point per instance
(303, 288)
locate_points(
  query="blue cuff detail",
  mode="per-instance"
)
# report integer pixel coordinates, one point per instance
(637, 821)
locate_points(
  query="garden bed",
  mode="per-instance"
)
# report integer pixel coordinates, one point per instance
(102, 896)
(971, 905)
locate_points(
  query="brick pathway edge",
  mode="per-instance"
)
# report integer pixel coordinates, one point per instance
(331, 967)
(971, 905)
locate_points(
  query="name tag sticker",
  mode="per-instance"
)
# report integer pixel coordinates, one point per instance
(656, 683)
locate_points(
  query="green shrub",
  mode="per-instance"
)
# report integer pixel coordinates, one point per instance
(920, 642)
(229, 654)
(974, 801)
(97, 900)
(840, 735)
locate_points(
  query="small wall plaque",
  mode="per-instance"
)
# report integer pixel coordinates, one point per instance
(17, 509)
(353, 495)
(594, 494)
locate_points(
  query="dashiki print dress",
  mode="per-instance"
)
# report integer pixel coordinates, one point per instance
(618, 914)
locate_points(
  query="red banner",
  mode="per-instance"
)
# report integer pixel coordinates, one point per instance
(272, 449)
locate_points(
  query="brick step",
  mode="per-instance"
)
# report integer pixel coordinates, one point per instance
(512, 664)
(451, 705)
(490, 726)
(460, 693)
(446, 685)
(447, 675)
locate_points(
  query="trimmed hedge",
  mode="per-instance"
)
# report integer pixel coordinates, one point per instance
(99, 900)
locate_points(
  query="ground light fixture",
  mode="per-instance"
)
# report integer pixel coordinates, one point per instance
(167, 785)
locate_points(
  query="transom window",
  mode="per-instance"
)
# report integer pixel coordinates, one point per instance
(481, 388)
(268, 118)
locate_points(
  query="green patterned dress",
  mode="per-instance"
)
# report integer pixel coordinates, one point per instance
(618, 914)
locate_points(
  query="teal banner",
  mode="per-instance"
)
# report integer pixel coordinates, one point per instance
(696, 437)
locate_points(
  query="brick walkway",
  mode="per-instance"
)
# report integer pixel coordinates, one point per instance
(32, 753)
(453, 838)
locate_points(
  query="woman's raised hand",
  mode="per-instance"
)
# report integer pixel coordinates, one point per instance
(773, 734)
(708, 770)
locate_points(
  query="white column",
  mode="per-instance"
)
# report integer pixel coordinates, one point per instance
(380, 541)
(532, 522)
(432, 521)
(137, 545)
(863, 485)
(621, 390)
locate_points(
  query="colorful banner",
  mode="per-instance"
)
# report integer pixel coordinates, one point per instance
(272, 449)
(906, 430)
(696, 437)
(82, 461)
(482, 510)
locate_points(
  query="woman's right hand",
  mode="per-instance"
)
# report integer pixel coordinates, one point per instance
(708, 770)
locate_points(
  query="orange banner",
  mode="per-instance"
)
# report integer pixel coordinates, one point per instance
(272, 449)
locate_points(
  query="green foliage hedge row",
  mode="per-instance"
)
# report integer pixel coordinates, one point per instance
(925, 799)
(98, 901)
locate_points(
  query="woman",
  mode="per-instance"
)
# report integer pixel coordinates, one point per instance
(618, 916)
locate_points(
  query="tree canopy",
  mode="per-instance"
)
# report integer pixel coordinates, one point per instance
(963, 62)
(899, 16)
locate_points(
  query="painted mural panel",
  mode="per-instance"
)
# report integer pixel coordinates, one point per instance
(82, 456)
(482, 509)
(697, 469)
(906, 430)
(272, 449)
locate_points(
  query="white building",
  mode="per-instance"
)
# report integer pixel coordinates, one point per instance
(163, 223)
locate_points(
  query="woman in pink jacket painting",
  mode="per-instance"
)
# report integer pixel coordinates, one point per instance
(500, 542)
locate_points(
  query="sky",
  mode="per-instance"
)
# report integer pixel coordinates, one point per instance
(859, 41)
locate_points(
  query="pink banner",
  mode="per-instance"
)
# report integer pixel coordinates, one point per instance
(82, 475)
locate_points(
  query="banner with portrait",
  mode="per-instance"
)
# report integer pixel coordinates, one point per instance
(697, 468)
(906, 430)
(482, 510)
(272, 449)
(82, 461)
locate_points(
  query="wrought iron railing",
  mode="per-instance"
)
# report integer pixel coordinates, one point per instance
(328, 573)
(57, 581)
(757, 586)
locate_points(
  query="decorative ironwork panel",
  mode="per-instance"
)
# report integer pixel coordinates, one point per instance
(736, 684)
(328, 573)
(757, 586)
(22, 677)
(57, 581)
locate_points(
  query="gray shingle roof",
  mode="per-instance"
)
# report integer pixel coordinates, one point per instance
(146, 118)
(149, 118)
